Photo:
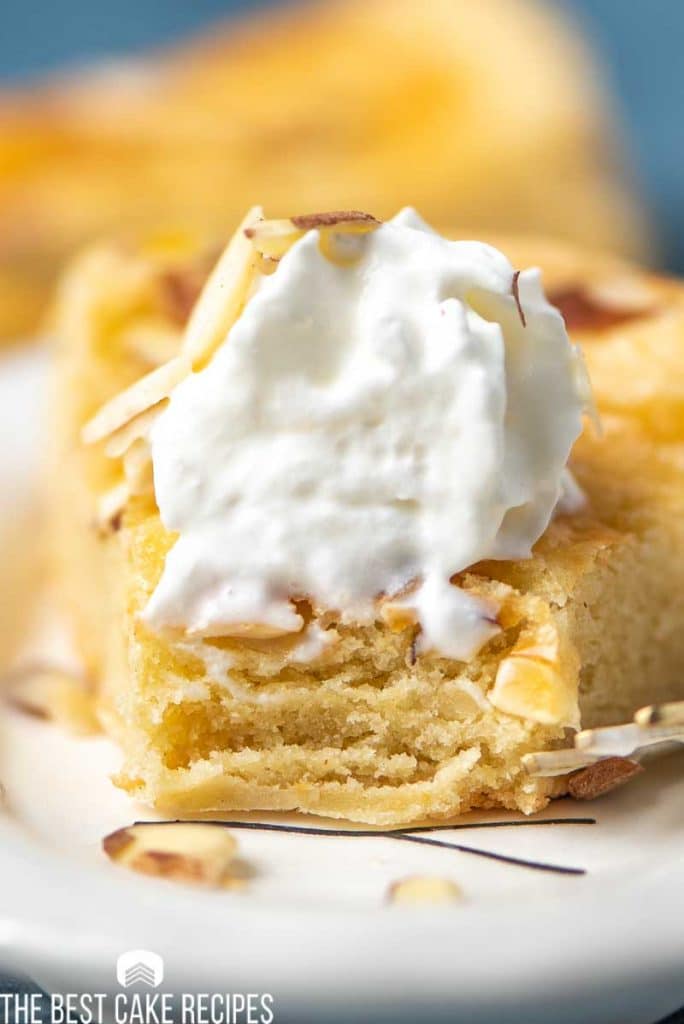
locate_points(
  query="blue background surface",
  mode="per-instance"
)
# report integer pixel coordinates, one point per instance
(641, 42)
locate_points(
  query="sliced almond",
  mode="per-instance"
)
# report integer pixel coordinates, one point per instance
(548, 763)
(110, 507)
(350, 220)
(251, 630)
(137, 466)
(153, 342)
(54, 695)
(540, 644)
(223, 296)
(183, 851)
(394, 609)
(661, 714)
(624, 740)
(529, 682)
(658, 726)
(424, 889)
(530, 688)
(138, 428)
(602, 777)
(397, 616)
(273, 238)
(147, 392)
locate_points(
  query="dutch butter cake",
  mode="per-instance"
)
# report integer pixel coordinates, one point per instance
(338, 561)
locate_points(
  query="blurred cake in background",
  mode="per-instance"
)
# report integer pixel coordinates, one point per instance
(485, 115)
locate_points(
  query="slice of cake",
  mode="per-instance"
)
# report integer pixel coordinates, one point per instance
(486, 114)
(320, 542)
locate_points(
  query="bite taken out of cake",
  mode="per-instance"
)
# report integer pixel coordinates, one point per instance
(335, 526)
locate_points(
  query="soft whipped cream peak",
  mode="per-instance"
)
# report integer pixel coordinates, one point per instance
(366, 429)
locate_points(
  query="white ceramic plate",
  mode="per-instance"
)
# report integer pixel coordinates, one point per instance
(312, 925)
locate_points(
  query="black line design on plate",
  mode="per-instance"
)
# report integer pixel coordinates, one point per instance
(408, 835)
(535, 865)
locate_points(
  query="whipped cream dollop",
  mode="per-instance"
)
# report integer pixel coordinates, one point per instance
(367, 429)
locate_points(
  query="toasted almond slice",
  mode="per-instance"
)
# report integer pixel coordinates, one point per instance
(251, 630)
(397, 616)
(602, 777)
(183, 851)
(273, 238)
(47, 692)
(110, 506)
(395, 609)
(529, 681)
(148, 391)
(548, 763)
(349, 220)
(153, 342)
(623, 740)
(275, 227)
(137, 465)
(138, 428)
(424, 889)
(661, 714)
(540, 644)
(223, 296)
(656, 726)
(531, 688)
